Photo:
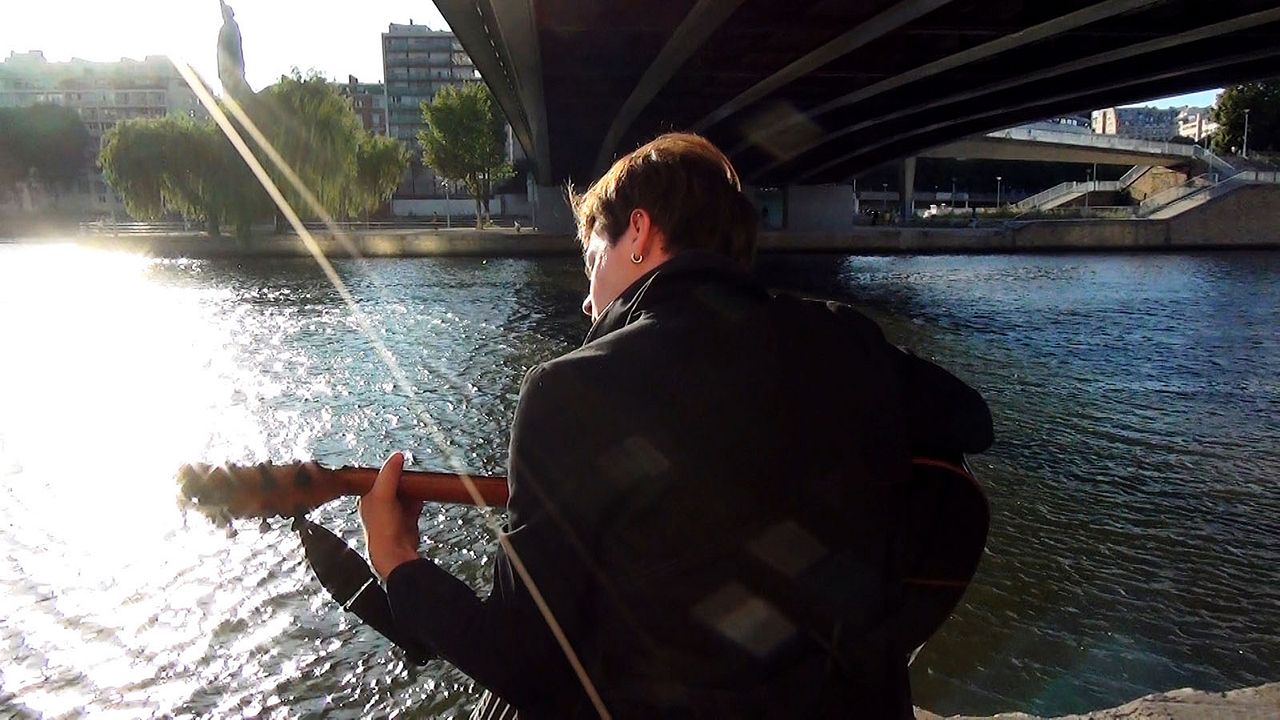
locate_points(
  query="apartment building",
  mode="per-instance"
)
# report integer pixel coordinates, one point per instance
(1195, 123)
(416, 63)
(102, 93)
(1139, 123)
(369, 101)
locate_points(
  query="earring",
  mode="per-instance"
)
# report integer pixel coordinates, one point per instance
(637, 259)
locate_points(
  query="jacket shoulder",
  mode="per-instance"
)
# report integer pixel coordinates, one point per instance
(832, 312)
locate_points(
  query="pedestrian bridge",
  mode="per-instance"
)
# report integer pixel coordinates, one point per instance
(1036, 144)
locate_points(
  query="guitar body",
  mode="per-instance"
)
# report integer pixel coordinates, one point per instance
(944, 533)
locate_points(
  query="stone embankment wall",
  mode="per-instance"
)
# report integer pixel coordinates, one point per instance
(1258, 703)
(1247, 217)
(1157, 179)
(361, 243)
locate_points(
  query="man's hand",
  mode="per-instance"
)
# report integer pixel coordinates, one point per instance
(390, 525)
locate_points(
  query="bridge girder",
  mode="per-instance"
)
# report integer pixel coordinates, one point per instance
(820, 90)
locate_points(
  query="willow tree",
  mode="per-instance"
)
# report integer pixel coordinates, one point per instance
(380, 163)
(316, 132)
(177, 165)
(465, 140)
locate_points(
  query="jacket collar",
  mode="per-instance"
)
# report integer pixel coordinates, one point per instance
(673, 279)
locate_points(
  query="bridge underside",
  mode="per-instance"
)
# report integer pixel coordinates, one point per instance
(817, 91)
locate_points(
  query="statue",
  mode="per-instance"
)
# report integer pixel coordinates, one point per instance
(231, 55)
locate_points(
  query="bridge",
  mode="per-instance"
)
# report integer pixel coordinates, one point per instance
(1033, 144)
(817, 91)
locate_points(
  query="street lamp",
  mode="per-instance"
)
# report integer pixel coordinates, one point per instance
(998, 179)
(1244, 151)
(448, 206)
(884, 197)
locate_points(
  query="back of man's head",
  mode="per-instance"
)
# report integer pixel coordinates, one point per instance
(688, 187)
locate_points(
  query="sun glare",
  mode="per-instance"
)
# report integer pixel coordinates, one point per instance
(105, 390)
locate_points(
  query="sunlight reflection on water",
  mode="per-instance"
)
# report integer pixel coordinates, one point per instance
(1135, 518)
(121, 368)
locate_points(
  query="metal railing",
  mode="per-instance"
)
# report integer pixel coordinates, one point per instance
(1040, 199)
(1107, 142)
(1213, 161)
(1209, 186)
(1132, 176)
(460, 222)
(111, 227)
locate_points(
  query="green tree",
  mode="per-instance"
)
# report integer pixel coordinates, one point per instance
(314, 129)
(14, 163)
(47, 142)
(178, 165)
(380, 163)
(175, 164)
(134, 161)
(1262, 100)
(465, 141)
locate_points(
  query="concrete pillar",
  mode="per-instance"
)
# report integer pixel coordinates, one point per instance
(907, 187)
(819, 208)
(549, 206)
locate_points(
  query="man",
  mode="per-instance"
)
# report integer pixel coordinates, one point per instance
(704, 496)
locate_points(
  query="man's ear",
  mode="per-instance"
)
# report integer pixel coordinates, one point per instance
(649, 240)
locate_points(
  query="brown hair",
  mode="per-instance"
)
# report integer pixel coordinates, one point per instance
(688, 187)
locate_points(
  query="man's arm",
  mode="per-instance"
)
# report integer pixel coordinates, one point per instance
(504, 642)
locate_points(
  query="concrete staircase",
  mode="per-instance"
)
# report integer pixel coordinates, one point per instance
(1067, 192)
(1064, 193)
(1168, 196)
(1213, 190)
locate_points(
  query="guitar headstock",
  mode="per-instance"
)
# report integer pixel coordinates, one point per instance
(223, 492)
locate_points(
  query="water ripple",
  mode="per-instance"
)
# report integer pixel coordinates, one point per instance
(1136, 516)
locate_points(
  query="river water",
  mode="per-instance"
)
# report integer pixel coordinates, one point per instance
(1134, 484)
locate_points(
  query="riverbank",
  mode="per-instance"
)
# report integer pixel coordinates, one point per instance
(1247, 218)
(1035, 237)
(1256, 703)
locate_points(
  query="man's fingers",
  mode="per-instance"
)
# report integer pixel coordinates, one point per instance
(410, 515)
(384, 487)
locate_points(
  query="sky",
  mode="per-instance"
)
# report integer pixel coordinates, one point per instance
(277, 34)
(335, 38)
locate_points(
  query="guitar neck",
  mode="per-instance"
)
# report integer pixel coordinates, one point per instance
(428, 486)
(267, 490)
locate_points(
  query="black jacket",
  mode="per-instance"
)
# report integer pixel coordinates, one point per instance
(704, 495)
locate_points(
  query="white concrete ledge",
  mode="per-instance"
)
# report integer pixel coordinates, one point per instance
(1256, 703)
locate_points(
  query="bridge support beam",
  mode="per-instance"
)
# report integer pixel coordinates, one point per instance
(907, 187)
(819, 208)
(550, 208)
